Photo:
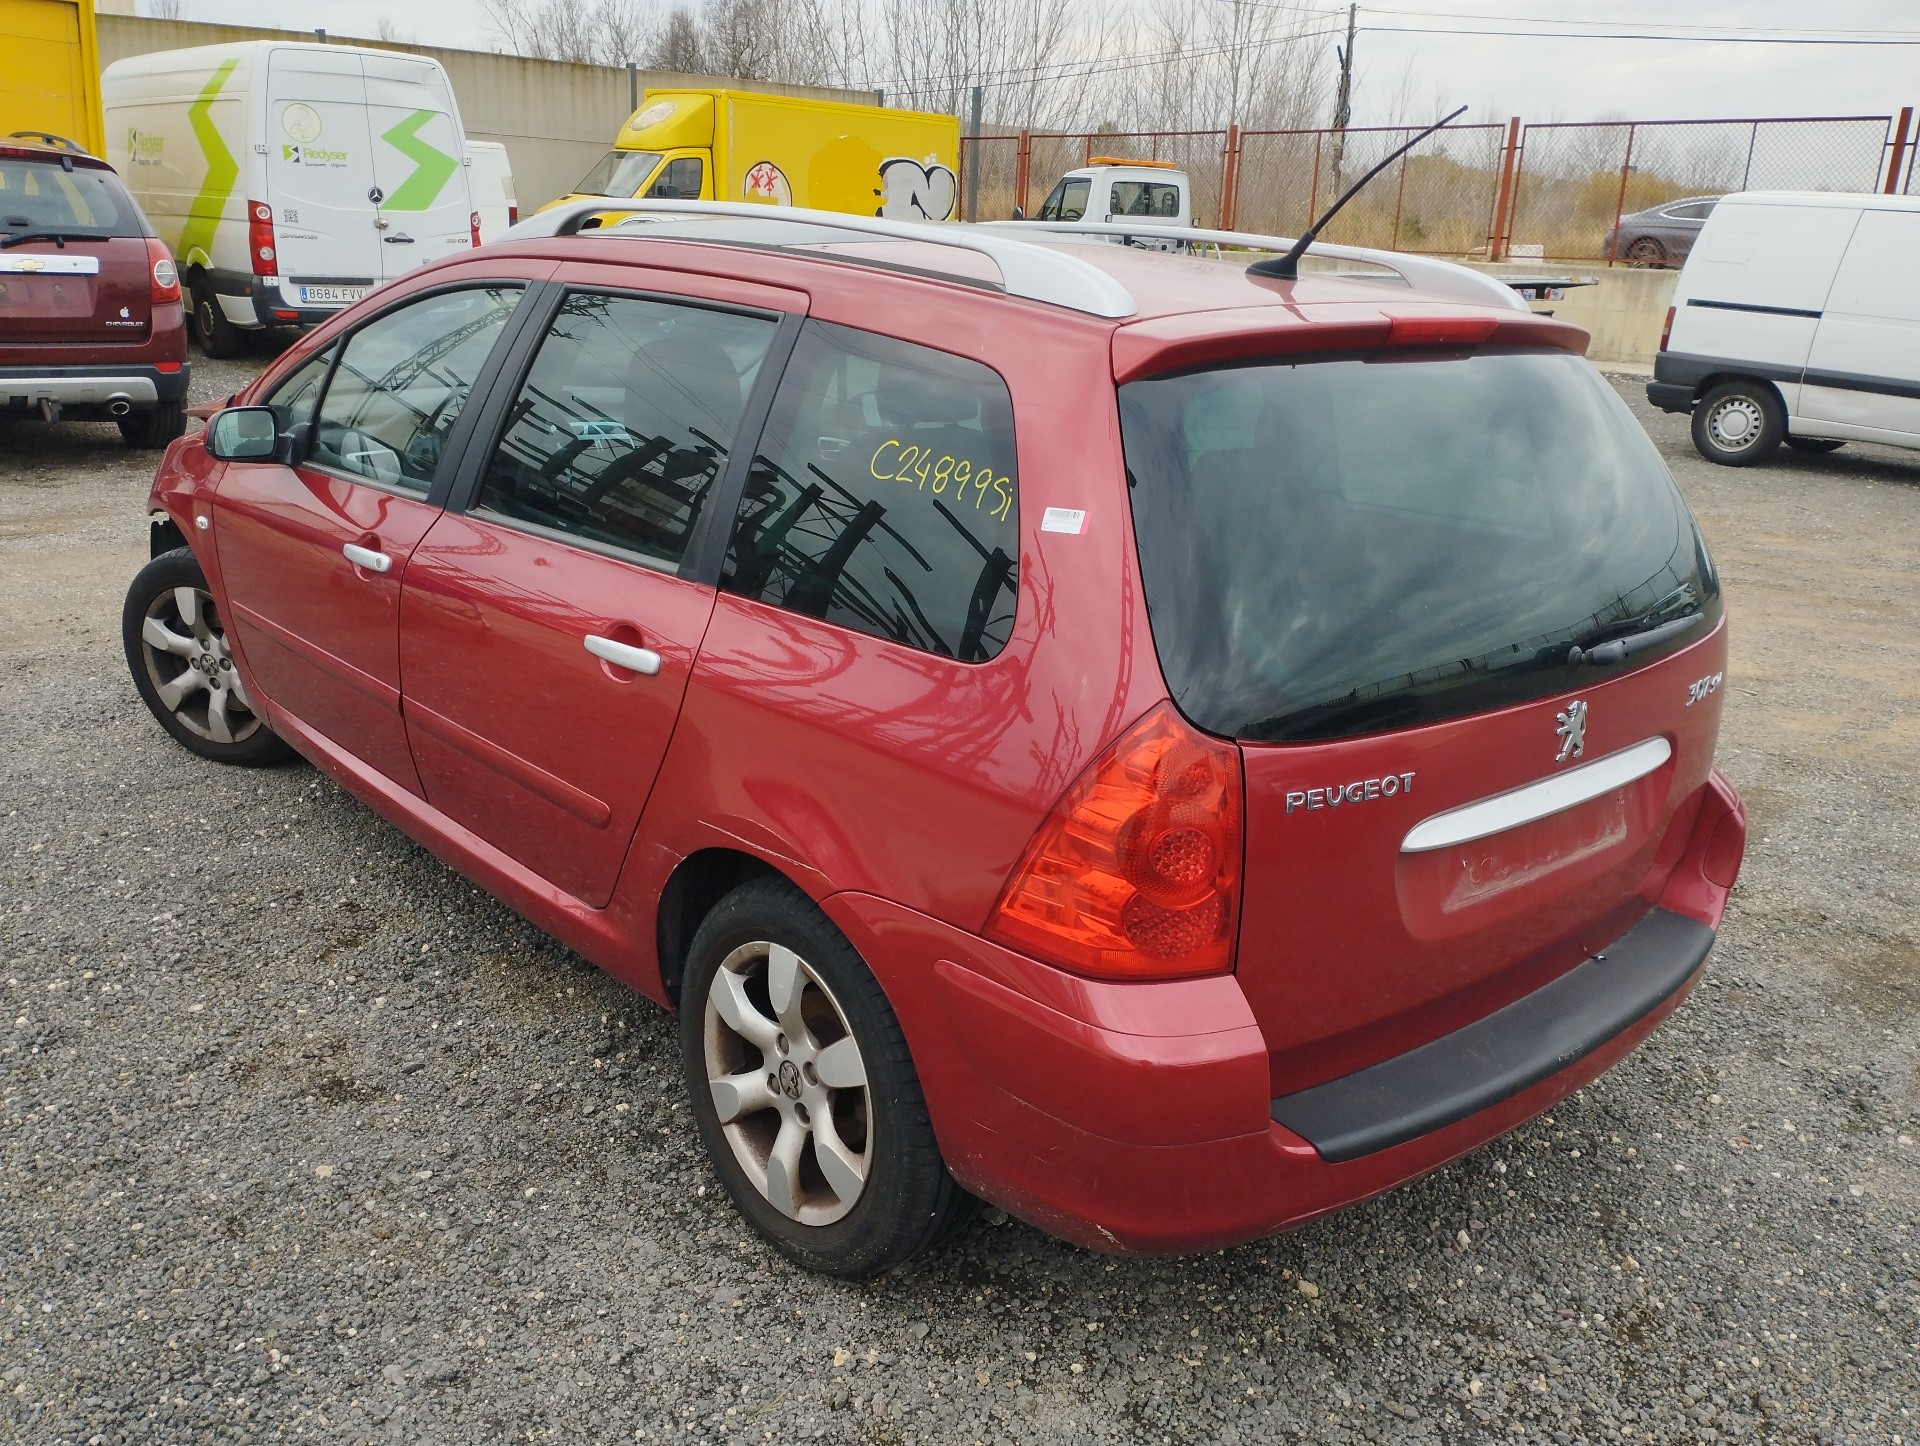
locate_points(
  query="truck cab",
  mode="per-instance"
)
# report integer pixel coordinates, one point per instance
(1110, 189)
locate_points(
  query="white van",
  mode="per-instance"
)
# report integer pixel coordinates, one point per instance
(1108, 188)
(491, 175)
(1797, 320)
(289, 178)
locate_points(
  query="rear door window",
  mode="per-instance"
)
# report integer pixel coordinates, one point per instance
(884, 496)
(1341, 546)
(625, 421)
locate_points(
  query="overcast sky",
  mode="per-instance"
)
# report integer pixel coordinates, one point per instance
(1537, 78)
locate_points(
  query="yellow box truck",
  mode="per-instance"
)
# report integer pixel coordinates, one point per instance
(50, 71)
(733, 145)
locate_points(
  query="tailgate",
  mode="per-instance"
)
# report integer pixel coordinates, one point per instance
(89, 292)
(1402, 885)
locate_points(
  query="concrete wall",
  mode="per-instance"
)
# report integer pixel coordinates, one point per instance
(555, 118)
(1624, 310)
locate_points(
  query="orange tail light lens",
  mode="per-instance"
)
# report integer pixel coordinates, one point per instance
(1136, 872)
(1666, 329)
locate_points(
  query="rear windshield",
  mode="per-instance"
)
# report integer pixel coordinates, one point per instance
(620, 173)
(1347, 545)
(43, 196)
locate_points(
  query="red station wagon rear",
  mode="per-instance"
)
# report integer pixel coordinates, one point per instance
(1168, 750)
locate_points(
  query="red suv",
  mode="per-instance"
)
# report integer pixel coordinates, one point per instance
(91, 325)
(1166, 750)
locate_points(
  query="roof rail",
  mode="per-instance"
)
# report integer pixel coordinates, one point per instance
(1424, 273)
(1037, 273)
(52, 141)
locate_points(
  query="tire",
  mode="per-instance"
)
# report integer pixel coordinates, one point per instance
(219, 338)
(1739, 423)
(883, 1194)
(1815, 444)
(177, 652)
(1646, 250)
(151, 430)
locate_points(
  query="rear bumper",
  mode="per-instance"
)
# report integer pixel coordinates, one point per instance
(24, 388)
(1136, 1118)
(1670, 396)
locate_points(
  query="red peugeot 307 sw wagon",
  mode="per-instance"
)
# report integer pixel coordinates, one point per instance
(1163, 748)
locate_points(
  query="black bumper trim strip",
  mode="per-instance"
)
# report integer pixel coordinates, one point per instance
(1510, 1050)
(1755, 306)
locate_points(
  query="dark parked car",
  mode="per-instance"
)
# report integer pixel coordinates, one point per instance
(1660, 235)
(91, 325)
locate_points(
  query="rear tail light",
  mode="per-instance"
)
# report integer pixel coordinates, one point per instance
(513, 214)
(166, 276)
(1666, 330)
(1135, 874)
(260, 242)
(473, 226)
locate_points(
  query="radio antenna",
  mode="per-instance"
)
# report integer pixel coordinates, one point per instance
(1288, 267)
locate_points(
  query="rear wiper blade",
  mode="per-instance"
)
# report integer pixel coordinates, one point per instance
(1618, 649)
(59, 238)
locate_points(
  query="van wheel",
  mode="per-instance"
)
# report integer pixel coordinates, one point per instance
(219, 338)
(803, 1090)
(1739, 423)
(183, 670)
(154, 428)
(1815, 444)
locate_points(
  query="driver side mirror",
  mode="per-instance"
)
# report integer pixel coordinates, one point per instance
(1019, 213)
(243, 434)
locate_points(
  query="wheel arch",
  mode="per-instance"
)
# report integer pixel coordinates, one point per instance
(699, 882)
(1720, 378)
(163, 535)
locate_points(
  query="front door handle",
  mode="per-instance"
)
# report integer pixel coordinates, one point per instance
(366, 557)
(624, 655)
(398, 239)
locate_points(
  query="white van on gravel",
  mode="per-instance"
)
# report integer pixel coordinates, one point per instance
(490, 174)
(289, 178)
(1796, 320)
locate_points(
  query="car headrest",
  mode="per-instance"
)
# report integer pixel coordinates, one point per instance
(906, 397)
(688, 379)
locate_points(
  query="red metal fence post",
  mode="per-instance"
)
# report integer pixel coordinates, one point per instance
(1020, 167)
(1900, 143)
(1230, 179)
(1503, 199)
(1620, 200)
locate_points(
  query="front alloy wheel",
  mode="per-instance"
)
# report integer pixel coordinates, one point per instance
(183, 667)
(788, 1084)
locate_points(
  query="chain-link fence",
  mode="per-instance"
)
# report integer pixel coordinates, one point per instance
(1559, 191)
(1583, 192)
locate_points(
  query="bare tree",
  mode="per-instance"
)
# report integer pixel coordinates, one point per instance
(603, 32)
(678, 44)
(167, 9)
(392, 34)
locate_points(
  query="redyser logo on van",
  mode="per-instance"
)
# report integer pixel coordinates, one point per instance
(142, 149)
(312, 156)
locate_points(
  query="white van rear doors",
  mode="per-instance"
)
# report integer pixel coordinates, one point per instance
(319, 171)
(425, 202)
(1864, 369)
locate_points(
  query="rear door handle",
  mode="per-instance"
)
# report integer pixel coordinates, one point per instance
(366, 557)
(623, 655)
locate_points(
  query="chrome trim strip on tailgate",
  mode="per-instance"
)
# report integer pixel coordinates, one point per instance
(37, 264)
(1539, 800)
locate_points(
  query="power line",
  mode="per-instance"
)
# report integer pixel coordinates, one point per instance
(1657, 30)
(1063, 69)
(1631, 35)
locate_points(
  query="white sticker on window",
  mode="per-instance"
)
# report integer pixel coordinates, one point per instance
(1064, 519)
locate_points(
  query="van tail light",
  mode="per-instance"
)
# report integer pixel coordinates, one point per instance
(166, 276)
(1666, 329)
(1136, 872)
(513, 214)
(473, 226)
(260, 242)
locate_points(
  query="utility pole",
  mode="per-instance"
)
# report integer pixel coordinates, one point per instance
(1343, 101)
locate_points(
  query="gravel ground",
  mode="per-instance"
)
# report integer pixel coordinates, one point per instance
(305, 1138)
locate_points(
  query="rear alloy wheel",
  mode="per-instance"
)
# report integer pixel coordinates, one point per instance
(803, 1089)
(219, 338)
(1815, 444)
(1739, 423)
(183, 669)
(1647, 251)
(152, 429)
